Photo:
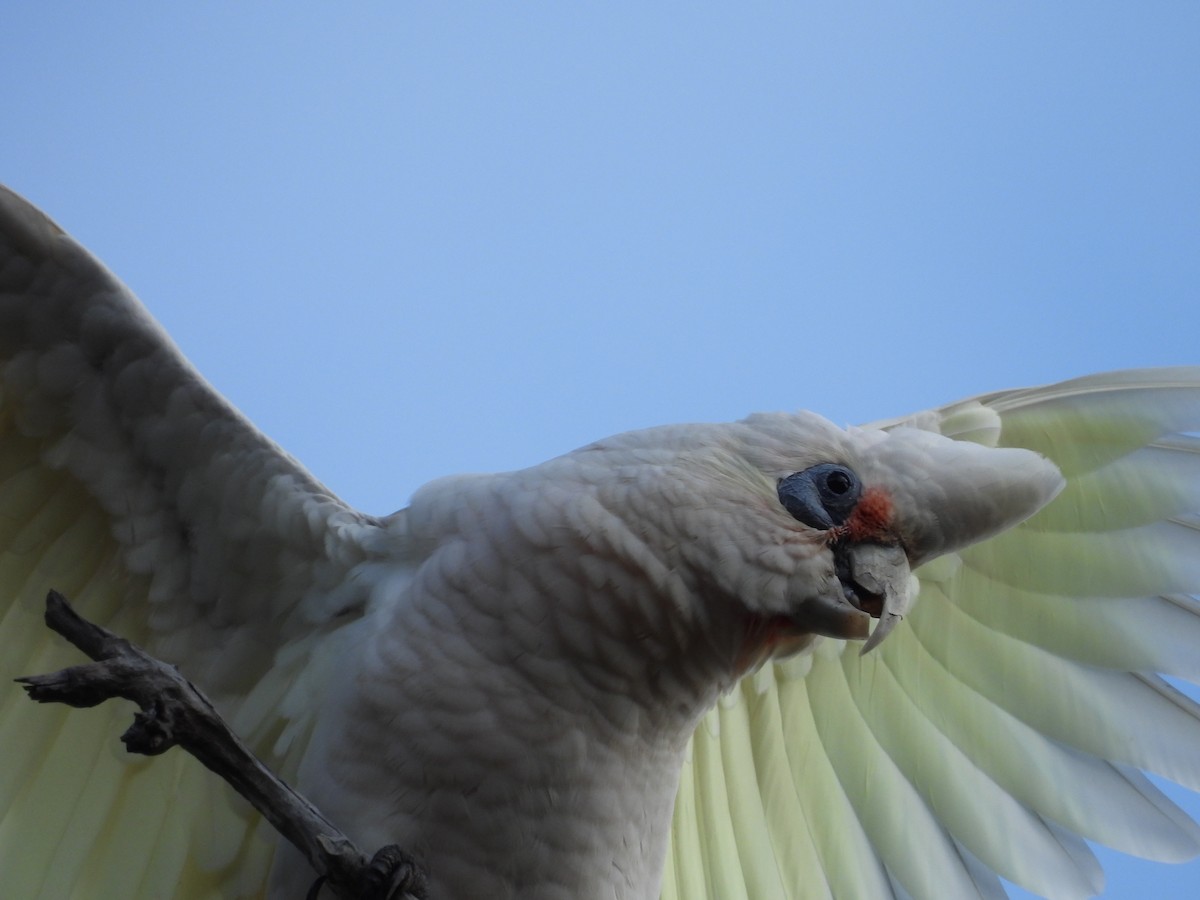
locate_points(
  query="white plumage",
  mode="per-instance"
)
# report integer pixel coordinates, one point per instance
(510, 675)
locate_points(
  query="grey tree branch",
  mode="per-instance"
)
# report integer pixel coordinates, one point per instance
(173, 712)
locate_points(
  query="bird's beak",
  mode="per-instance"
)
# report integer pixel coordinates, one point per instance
(878, 581)
(945, 494)
(871, 580)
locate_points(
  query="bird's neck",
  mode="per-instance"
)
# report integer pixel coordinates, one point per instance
(521, 720)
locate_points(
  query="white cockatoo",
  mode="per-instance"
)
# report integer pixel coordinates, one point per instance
(632, 671)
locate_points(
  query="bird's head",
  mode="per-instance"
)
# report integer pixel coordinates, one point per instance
(815, 529)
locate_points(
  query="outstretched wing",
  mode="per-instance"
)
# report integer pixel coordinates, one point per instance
(1014, 713)
(127, 483)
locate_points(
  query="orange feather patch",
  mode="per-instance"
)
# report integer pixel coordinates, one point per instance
(871, 519)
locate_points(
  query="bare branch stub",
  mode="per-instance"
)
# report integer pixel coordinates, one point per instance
(174, 712)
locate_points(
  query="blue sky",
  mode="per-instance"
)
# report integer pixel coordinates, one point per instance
(414, 239)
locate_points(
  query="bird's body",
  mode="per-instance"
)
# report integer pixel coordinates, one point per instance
(628, 670)
(522, 776)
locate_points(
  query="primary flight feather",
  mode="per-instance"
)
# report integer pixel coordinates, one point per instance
(631, 671)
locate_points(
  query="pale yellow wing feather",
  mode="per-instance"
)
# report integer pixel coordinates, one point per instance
(1010, 716)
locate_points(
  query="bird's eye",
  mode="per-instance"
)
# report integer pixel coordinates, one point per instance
(838, 482)
(822, 496)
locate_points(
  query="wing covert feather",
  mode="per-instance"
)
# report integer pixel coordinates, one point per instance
(130, 485)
